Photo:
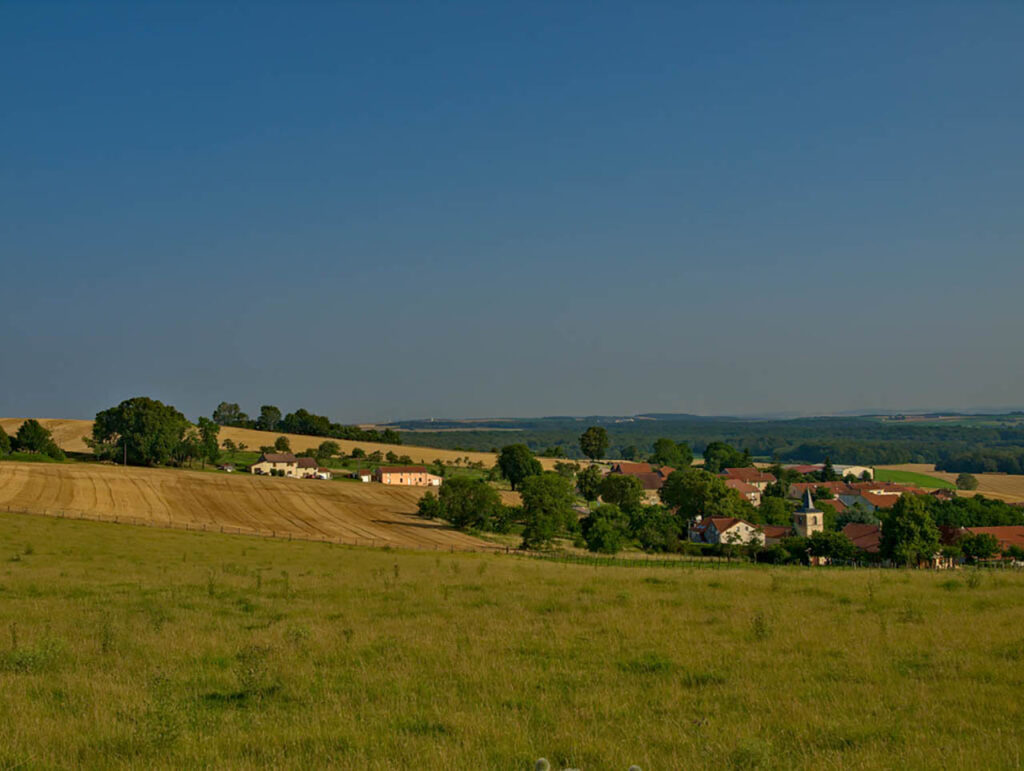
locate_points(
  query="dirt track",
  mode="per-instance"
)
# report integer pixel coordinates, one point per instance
(349, 512)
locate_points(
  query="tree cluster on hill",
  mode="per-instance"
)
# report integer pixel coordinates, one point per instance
(299, 422)
(31, 437)
(147, 432)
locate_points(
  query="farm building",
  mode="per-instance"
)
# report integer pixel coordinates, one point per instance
(364, 475)
(276, 462)
(414, 476)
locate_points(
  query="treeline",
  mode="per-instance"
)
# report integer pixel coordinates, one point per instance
(864, 441)
(147, 432)
(301, 422)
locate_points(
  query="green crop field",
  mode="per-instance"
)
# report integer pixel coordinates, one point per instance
(912, 478)
(132, 647)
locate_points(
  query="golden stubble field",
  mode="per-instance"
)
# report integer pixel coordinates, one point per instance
(1008, 487)
(69, 435)
(350, 512)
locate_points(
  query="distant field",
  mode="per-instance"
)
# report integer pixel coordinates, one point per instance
(126, 647)
(1007, 487)
(69, 435)
(349, 511)
(912, 478)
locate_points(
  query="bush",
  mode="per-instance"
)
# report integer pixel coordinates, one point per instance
(606, 529)
(429, 506)
(967, 481)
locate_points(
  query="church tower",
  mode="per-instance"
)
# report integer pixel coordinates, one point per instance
(807, 519)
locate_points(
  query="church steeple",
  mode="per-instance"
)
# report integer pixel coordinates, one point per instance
(808, 519)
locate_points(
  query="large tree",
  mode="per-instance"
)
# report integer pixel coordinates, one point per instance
(5, 442)
(230, 414)
(719, 455)
(669, 453)
(547, 508)
(696, 493)
(594, 442)
(145, 431)
(469, 502)
(209, 443)
(588, 482)
(517, 463)
(623, 491)
(909, 536)
(269, 419)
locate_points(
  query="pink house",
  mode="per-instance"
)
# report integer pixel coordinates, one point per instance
(416, 476)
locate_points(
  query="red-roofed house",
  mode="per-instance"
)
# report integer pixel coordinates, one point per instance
(775, 533)
(864, 536)
(279, 462)
(725, 530)
(752, 476)
(1007, 535)
(747, 492)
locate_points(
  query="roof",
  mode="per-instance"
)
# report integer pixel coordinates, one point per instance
(403, 470)
(631, 468)
(805, 469)
(306, 462)
(836, 488)
(837, 505)
(650, 480)
(1007, 535)
(864, 536)
(740, 486)
(364, 472)
(276, 457)
(880, 500)
(324, 470)
(748, 474)
(776, 531)
(724, 523)
(808, 503)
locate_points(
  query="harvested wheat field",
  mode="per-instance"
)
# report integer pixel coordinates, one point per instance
(1007, 487)
(349, 512)
(69, 434)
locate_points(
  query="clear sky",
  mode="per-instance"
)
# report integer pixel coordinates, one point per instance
(387, 210)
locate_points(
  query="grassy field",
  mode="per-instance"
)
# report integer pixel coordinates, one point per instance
(139, 648)
(349, 511)
(926, 481)
(1007, 487)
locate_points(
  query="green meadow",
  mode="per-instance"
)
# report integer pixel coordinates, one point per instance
(128, 647)
(912, 478)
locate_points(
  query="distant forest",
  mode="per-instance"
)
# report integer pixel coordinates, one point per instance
(974, 444)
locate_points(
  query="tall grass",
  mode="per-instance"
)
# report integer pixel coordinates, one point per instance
(129, 647)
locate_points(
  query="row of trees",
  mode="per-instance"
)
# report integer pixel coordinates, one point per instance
(30, 437)
(299, 422)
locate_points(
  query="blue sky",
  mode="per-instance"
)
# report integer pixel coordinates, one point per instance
(388, 210)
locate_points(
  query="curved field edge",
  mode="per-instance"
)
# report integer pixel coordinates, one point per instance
(354, 513)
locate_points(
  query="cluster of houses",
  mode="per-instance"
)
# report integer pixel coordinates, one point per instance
(287, 465)
(857, 488)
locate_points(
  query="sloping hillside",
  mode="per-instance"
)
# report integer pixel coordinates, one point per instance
(69, 435)
(1007, 487)
(350, 512)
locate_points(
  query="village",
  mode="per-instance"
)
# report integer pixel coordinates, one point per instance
(855, 490)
